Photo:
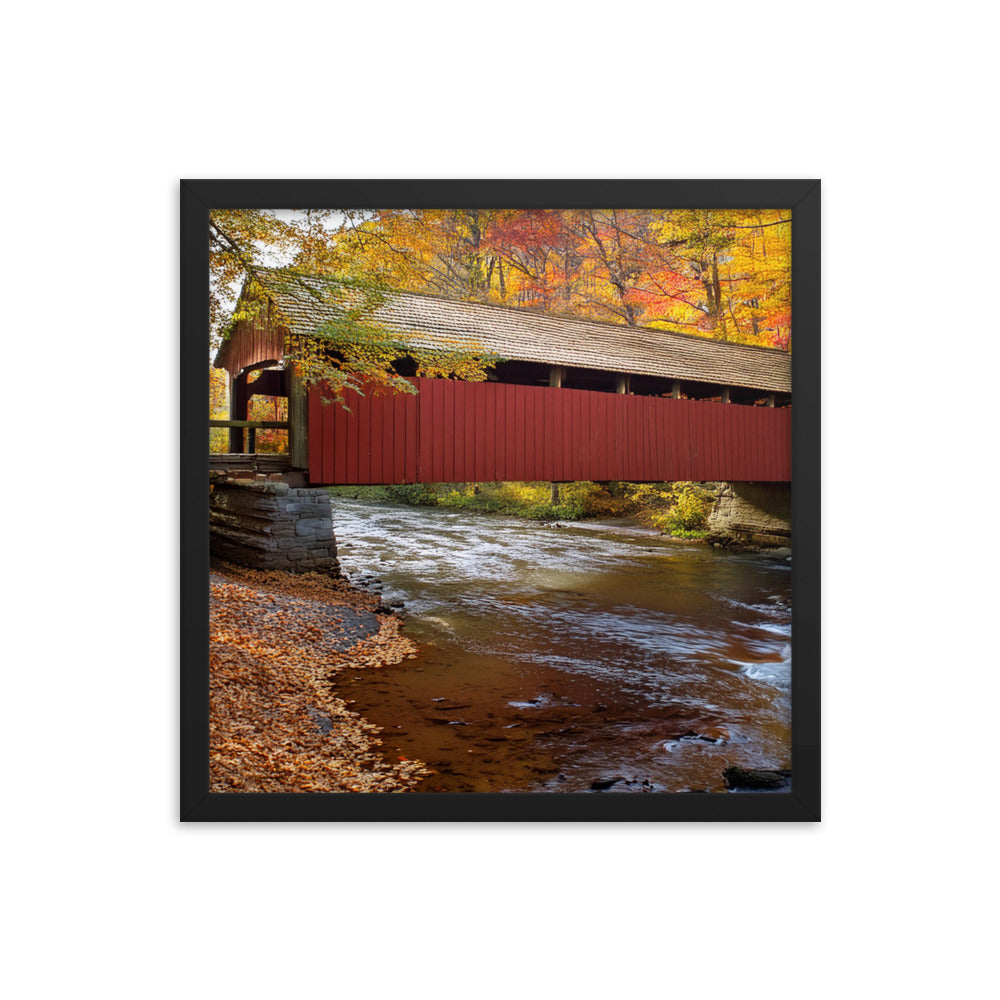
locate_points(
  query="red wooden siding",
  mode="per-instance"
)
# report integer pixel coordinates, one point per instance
(488, 432)
(251, 342)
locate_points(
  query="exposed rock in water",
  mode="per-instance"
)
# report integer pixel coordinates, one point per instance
(604, 784)
(740, 777)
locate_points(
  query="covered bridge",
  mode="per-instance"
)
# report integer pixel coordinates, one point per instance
(573, 399)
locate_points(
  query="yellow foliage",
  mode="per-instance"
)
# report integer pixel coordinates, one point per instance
(718, 273)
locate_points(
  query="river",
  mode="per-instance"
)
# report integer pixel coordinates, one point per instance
(556, 657)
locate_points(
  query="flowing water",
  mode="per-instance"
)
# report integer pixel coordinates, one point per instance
(554, 657)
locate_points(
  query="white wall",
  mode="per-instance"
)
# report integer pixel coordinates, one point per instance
(108, 107)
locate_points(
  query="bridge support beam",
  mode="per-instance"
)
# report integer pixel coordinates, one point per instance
(298, 421)
(556, 376)
(752, 513)
(238, 400)
(268, 525)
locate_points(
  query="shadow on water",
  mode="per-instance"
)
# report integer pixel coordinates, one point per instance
(556, 657)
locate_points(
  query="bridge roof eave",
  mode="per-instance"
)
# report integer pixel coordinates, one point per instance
(432, 322)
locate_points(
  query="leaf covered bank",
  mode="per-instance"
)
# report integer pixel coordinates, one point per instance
(277, 642)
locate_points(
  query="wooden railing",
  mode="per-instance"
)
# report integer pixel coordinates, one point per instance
(251, 426)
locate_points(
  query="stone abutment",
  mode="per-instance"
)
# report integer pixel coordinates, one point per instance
(269, 525)
(753, 513)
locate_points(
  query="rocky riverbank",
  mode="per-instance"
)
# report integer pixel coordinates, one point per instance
(277, 642)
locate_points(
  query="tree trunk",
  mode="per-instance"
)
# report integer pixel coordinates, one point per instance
(717, 289)
(712, 310)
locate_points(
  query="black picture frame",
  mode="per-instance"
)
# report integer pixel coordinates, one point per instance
(197, 197)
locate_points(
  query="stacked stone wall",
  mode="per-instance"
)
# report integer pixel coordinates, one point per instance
(269, 525)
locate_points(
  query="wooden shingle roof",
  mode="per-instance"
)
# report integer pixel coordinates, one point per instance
(428, 321)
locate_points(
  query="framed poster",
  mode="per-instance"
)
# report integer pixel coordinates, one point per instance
(490, 494)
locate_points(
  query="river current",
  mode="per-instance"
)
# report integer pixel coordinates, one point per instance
(560, 657)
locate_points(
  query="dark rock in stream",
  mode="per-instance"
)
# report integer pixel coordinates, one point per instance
(714, 735)
(750, 778)
(604, 784)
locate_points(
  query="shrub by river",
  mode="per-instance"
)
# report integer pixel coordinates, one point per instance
(678, 509)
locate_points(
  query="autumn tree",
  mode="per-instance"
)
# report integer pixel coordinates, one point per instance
(722, 274)
(253, 252)
(739, 267)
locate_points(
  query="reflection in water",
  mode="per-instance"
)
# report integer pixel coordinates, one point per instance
(556, 657)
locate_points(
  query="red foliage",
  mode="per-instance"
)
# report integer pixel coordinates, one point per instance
(531, 229)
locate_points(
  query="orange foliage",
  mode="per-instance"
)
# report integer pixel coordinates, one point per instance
(719, 273)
